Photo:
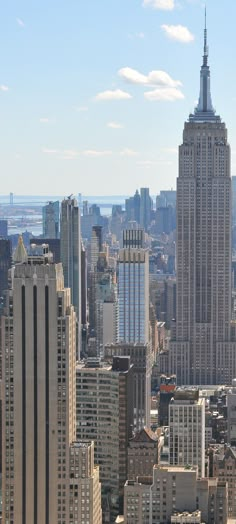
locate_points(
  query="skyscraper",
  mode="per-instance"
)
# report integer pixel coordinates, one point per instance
(51, 220)
(96, 246)
(234, 200)
(3, 228)
(201, 349)
(145, 207)
(133, 238)
(39, 425)
(133, 294)
(71, 253)
(141, 359)
(71, 248)
(5, 264)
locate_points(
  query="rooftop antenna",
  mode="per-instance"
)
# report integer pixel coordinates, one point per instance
(205, 52)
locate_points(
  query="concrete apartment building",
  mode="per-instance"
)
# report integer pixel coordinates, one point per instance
(105, 415)
(212, 500)
(157, 497)
(187, 429)
(172, 491)
(38, 343)
(85, 487)
(143, 453)
(137, 501)
(141, 359)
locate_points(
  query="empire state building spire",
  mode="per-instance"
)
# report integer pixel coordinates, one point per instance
(204, 111)
(205, 50)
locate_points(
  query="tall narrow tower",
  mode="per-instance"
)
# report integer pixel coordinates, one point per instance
(39, 416)
(133, 295)
(201, 351)
(71, 255)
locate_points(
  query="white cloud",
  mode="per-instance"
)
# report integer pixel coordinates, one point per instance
(179, 33)
(128, 152)
(169, 94)
(44, 120)
(96, 153)
(115, 125)
(64, 154)
(154, 78)
(116, 94)
(132, 76)
(4, 88)
(20, 22)
(165, 5)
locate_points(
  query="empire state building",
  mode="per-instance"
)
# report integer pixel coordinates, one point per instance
(202, 350)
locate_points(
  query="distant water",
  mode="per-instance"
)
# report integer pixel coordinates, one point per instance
(104, 202)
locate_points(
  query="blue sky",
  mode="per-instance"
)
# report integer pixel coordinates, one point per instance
(94, 93)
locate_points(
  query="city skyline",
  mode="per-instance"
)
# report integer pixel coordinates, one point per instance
(71, 118)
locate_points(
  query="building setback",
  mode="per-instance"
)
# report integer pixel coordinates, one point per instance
(39, 401)
(171, 491)
(202, 351)
(105, 415)
(140, 357)
(85, 488)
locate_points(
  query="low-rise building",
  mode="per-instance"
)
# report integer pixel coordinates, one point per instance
(187, 518)
(175, 491)
(212, 500)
